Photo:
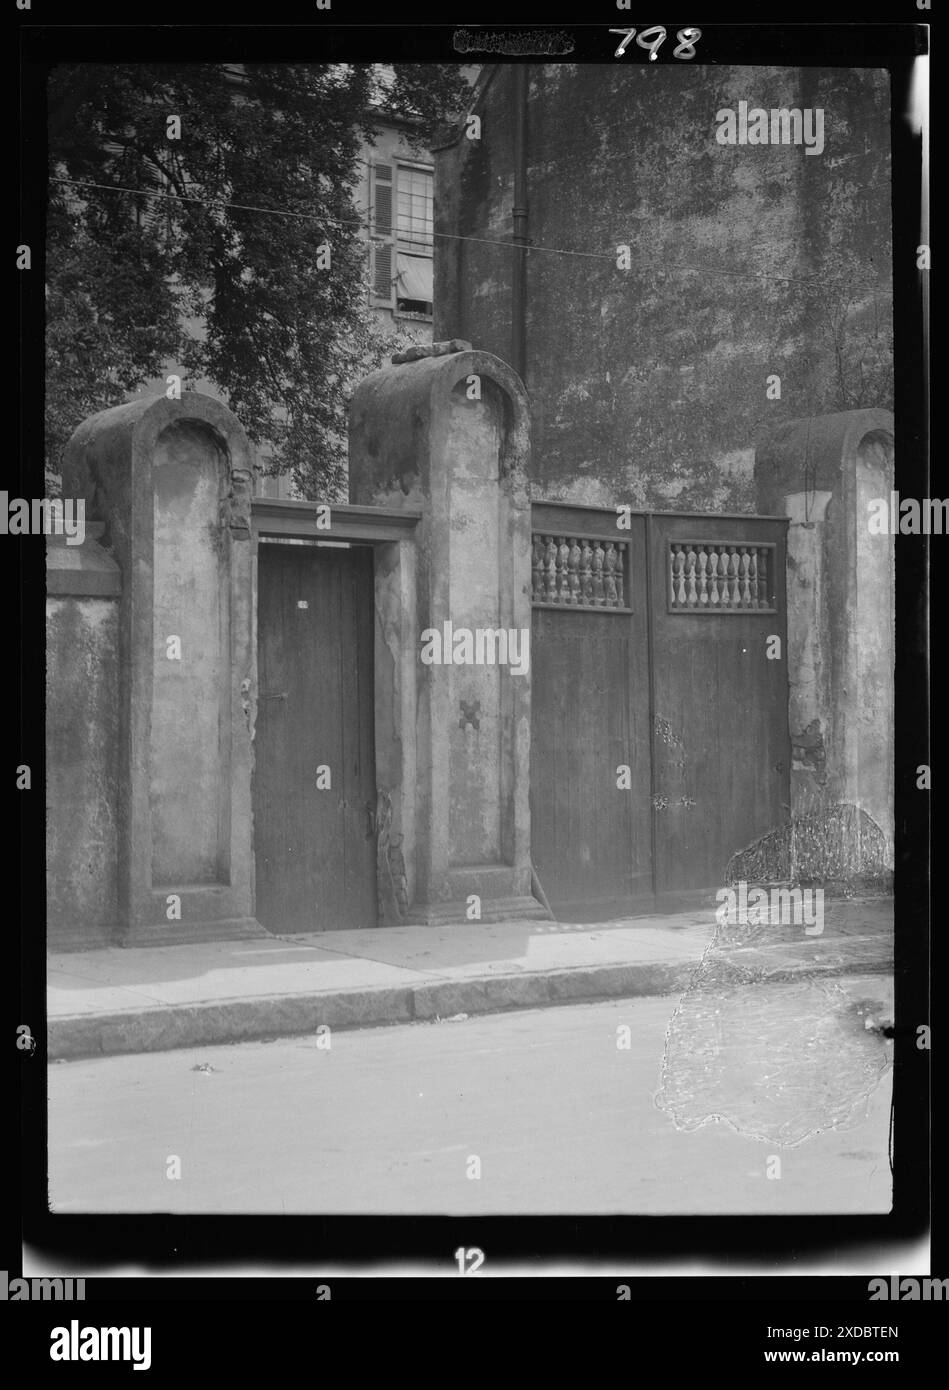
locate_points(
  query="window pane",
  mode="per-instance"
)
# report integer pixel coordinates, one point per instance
(414, 211)
(415, 280)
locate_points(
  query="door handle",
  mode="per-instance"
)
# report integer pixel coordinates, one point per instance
(282, 696)
(370, 820)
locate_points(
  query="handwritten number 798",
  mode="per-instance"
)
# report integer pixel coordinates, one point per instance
(653, 39)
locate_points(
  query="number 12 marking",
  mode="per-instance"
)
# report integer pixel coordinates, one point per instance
(469, 1260)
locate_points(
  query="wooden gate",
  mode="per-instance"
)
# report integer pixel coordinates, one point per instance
(659, 736)
(315, 845)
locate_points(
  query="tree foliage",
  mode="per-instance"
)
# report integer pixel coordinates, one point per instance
(233, 295)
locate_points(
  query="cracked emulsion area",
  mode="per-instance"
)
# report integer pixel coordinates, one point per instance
(777, 1061)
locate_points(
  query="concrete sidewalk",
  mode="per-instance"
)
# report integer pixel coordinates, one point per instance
(146, 999)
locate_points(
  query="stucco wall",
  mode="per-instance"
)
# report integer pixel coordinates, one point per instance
(650, 385)
(841, 649)
(452, 741)
(474, 599)
(185, 736)
(82, 754)
(167, 486)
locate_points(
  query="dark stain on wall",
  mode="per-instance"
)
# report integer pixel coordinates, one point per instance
(650, 386)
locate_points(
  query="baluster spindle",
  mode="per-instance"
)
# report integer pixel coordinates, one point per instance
(537, 570)
(713, 576)
(574, 576)
(551, 557)
(678, 584)
(732, 577)
(586, 572)
(563, 570)
(764, 596)
(609, 574)
(691, 596)
(599, 595)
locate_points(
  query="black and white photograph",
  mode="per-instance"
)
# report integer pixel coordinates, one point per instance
(479, 566)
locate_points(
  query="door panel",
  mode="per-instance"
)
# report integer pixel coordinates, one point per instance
(590, 839)
(721, 746)
(315, 848)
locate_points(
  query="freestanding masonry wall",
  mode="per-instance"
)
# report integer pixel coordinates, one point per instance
(170, 482)
(823, 473)
(448, 432)
(83, 589)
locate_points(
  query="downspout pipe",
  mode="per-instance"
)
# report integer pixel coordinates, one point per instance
(519, 269)
(519, 295)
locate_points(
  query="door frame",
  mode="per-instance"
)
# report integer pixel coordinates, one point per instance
(390, 532)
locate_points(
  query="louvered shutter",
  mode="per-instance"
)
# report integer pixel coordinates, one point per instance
(382, 200)
(382, 272)
(383, 251)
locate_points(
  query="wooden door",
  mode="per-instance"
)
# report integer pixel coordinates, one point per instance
(682, 678)
(315, 847)
(720, 694)
(590, 837)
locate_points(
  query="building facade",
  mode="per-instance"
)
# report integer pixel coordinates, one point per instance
(690, 269)
(395, 200)
(394, 204)
(602, 623)
(758, 287)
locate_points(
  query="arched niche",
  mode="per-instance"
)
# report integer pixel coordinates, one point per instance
(171, 482)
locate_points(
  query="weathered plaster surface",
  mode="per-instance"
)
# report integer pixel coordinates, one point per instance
(649, 386)
(184, 820)
(823, 473)
(185, 738)
(81, 769)
(417, 440)
(474, 601)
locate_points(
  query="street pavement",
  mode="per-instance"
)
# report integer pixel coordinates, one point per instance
(605, 1107)
(112, 1001)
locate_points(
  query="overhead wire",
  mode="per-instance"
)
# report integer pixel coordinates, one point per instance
(530, 247)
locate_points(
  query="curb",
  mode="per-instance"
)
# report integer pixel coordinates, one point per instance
(244, 1020)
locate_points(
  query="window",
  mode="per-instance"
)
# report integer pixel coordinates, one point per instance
(413, 285)
(402, 229)
(414, 209)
